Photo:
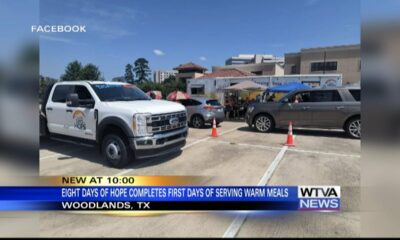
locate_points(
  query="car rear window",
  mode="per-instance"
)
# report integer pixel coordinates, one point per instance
(192, 102)
(213, 102)
(356, 93)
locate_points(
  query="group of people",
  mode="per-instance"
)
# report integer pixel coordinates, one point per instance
(235, 108)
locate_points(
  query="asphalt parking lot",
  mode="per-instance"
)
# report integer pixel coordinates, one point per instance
(239, 156)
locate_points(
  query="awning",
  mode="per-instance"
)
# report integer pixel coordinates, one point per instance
(288, 87)
(196, 86)
(246, 85)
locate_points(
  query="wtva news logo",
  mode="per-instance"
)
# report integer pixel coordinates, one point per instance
(319, 198)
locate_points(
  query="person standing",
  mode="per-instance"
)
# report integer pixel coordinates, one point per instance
(228, 108)
(235, 108)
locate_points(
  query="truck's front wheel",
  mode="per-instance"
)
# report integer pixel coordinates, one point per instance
(116, 151)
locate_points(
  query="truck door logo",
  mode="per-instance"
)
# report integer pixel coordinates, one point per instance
(79, 118)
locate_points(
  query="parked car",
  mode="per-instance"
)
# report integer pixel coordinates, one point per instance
(118, 117)
(329, 108)
(202, 110)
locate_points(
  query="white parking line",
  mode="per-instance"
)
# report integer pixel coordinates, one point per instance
(326, 153)
(237, 223)
(195, 142)
(247, 145)
(187, 146)
(290, 149)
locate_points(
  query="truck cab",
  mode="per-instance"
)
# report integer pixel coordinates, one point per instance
(118, 117)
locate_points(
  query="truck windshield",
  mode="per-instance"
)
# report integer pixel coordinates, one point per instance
(119, 92)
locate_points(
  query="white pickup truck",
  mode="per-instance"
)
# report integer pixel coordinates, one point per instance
(118, 117)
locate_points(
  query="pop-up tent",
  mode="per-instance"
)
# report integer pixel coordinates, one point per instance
(246, 86)
(245, 90)
(277, 92)
(156, 94)
(288, 87)
(177, 95)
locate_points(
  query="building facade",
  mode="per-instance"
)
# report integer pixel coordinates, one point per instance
(252, 59)
(257, 64)
(161, 75)
(345, 60)
(212, 85)
(267, 68)
(189, 71)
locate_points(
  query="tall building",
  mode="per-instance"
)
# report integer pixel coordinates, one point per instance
(257, 64)
(273, 69)
(253, 59)
(188, 71)
(161, 75)
(345, 59)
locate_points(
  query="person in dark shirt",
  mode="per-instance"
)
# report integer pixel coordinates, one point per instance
(228, 108)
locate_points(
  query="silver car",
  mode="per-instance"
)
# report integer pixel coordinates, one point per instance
(337, 108)
(201, 110)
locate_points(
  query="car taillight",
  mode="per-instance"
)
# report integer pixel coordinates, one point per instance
(208, 107)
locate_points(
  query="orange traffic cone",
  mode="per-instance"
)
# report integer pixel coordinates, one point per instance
(290, 139)
(214, 129)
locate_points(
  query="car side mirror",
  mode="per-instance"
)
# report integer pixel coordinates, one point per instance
(285, 100)
(72, 100)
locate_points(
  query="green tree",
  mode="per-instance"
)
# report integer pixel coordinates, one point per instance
(129, 73)
(142, 70)
(169, 85)
(170, 79)
(90, 72)
(172, 82)
(72, 71)
(148, 86)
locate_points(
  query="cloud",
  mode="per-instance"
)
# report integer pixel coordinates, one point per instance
(106, 29)
(158, 52)
(109, 12)
(106, 20)
(55, 39)
(202, 58)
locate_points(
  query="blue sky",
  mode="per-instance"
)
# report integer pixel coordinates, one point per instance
(207, 32)
(16, 18)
